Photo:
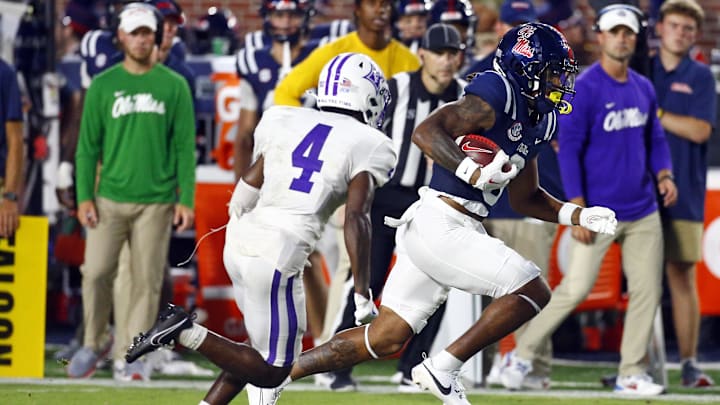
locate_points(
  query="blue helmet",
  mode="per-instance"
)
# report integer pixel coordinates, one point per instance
(455, 12)
(304, 7)
(413, 7)
(538, 58)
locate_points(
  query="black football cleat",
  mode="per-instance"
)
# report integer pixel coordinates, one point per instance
(171, 321)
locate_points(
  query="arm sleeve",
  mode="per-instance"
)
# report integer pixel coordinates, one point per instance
(184, 144)
(572, 137)
(302, 77)
(89, 145)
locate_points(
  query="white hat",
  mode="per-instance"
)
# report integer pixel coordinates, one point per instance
(133, 18)
(619, 16)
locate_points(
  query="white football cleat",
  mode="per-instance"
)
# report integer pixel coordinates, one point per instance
(514, 371)
(639, 384)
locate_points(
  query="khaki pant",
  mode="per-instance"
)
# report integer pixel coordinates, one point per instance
(641, 243)
(147, 229)
(533, 239)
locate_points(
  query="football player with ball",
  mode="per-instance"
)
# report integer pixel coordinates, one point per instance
(441, 241)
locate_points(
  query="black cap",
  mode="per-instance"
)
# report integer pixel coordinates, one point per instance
(442, 36)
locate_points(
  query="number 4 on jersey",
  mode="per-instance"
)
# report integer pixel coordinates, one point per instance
(305, 156)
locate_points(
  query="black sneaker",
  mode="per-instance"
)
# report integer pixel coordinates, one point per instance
(343, 382)
(171, 321)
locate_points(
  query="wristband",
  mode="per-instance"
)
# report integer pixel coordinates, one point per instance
(660, 112)
(465, 169)
(665, 177)
(565, 213)
(65, 175)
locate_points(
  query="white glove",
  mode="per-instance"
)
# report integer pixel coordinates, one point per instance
(492, 176)
(65, 175)
(365, 309)
(598, 219)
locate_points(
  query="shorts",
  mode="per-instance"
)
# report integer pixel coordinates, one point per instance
(440, 248)
(683, 240)
(272, 301)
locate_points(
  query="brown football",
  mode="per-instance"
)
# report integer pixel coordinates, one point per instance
(480, 149)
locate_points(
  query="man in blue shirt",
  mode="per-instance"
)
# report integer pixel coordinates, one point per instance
(11, 150)
(687, 109)
(613, 153)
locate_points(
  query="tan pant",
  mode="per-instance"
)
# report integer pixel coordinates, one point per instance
(147, 228)
(641, 243)
(533, 239)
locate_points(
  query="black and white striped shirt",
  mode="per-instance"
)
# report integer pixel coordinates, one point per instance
(411, 104)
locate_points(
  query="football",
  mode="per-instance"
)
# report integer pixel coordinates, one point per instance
(480, 149)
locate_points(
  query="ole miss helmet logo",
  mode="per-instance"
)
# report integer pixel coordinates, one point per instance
(522, 45)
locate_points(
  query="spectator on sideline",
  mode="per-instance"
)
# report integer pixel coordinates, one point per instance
(11, 140)
(687, 109)
(613, 152)
(137, 120)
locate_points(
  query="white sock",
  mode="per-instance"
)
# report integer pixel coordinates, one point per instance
(691, 360)
(203, 403)
(446, 361)
(285, 382)
(193, 337)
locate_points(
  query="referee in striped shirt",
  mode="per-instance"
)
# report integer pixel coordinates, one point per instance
(414, 96)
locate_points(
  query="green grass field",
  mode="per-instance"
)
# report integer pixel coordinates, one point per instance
(572, 384)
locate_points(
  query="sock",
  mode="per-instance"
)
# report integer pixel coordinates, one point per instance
(691, 360)
(193, 337)
(446, 361)
(203, 403)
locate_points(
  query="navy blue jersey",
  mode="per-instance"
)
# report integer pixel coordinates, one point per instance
(98, 52)
(262, 72)
(513, 131)
(687, 90)
(10, 106)
(479, 65)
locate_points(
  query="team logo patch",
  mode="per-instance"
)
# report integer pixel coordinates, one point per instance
(515, 132)
(264, 75)
(679, 87)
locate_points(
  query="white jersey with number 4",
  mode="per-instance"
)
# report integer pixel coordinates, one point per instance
(310, 158)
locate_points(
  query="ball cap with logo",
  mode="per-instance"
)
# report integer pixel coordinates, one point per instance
(618, 16)
(442, 36)
(133, 18)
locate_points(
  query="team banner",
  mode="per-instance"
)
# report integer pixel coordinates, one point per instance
(23, 287)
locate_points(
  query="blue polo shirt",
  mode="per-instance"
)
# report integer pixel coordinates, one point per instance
(689, 89)
(10, 106)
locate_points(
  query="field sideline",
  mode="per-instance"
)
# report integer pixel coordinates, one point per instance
(574, 383)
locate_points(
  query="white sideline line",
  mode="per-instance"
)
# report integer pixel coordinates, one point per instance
(91, 385)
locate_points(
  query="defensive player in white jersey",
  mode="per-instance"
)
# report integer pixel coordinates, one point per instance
(308, 163)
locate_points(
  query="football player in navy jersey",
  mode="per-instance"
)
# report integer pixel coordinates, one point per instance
(411, 22)
(441, 243)
(286, 23)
